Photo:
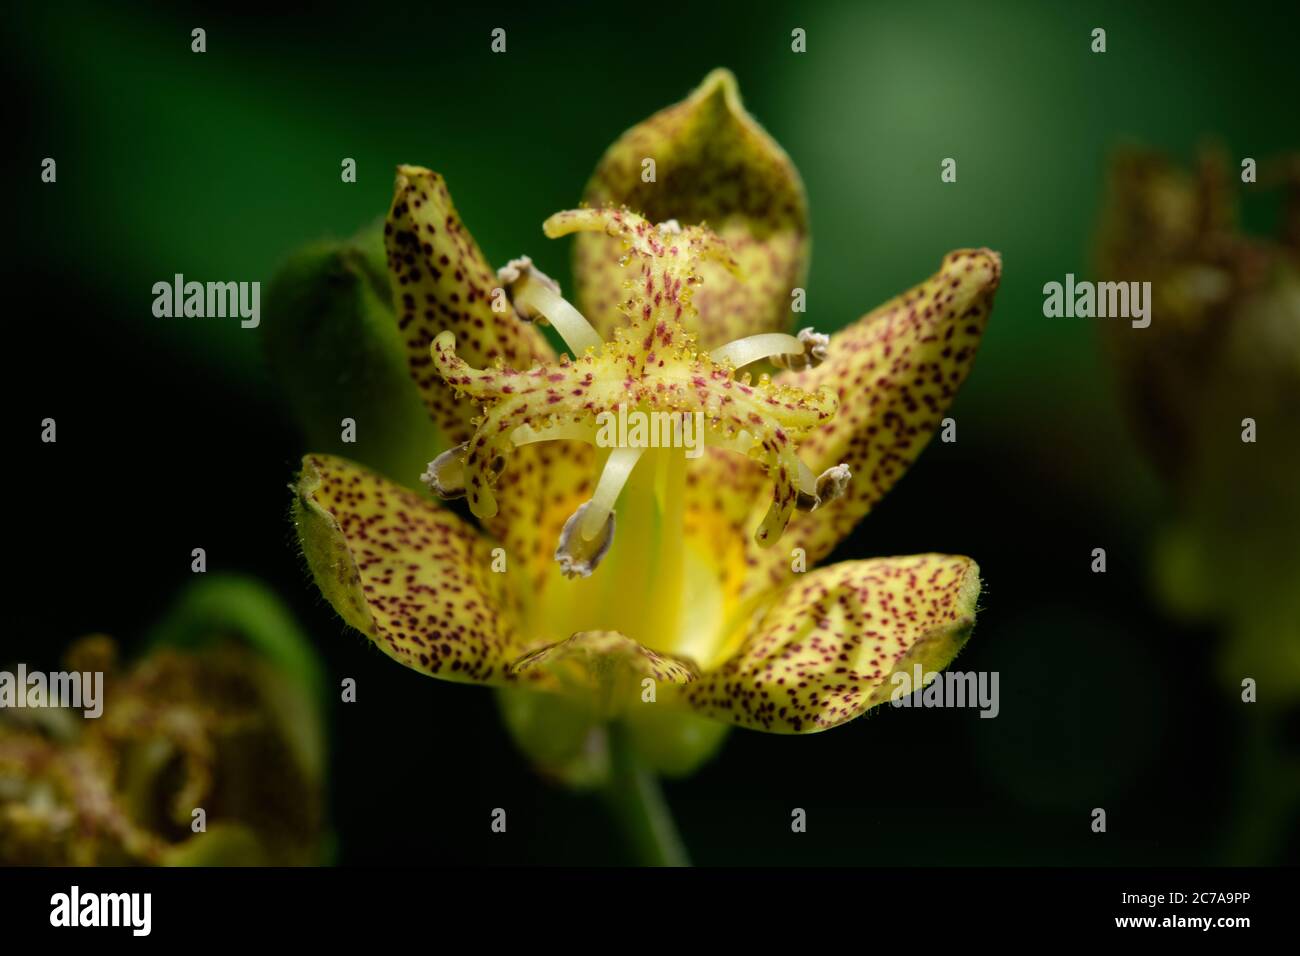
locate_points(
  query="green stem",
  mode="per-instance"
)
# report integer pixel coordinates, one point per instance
(637, 803)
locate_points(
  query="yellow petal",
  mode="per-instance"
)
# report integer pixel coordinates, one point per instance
(542, 486)
(441, 281)
(605, 666)
(895, 371)
(825, 651)
(411, 576)
(714, 164)
(722, 489)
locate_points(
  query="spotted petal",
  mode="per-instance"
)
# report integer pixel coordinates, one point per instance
(441, 281)
(714, 164)
(411, 576)
(895, 371)
(826, 649)
(604, 666)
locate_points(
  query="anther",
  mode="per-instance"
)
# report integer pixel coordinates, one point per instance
(577, 555)
(445, 475)
(829, 485)
(815, 346)
(536, 298)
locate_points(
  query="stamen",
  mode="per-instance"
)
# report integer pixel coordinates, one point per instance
(445, 475)
(651, 364)
(814, 348)
(536, 297)
(569, 431)
(742, 352)
(577, 556)
(833, 482)
(785, 496)
(612, 479)
(807, 500)
(822, 490)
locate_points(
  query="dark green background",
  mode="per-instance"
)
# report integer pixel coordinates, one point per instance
(218, 165)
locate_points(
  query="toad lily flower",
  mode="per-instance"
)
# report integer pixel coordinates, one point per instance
(1220, 362)
(640, 586)
(222, 715)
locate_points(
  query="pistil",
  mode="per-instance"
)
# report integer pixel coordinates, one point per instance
(650, 364)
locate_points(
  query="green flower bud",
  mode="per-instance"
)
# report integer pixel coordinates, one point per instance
(334, 350)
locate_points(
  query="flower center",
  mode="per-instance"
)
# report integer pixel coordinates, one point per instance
(651, 367)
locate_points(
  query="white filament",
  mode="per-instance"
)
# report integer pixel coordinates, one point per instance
(750, 349)
(573, 327)
(617, 470)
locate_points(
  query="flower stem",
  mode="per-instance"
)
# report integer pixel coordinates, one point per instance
(637, 804)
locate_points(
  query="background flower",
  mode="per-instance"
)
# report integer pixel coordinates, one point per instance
(1221, 365)
(222, 716)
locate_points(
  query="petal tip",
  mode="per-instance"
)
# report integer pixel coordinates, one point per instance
(982, 267)
(324, 548)
(721, 84)
(406, 171)
(971, 585)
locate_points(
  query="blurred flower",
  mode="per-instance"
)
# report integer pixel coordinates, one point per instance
(1223, 347)
(634, 587)
(1220, 364)
(210, 719)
